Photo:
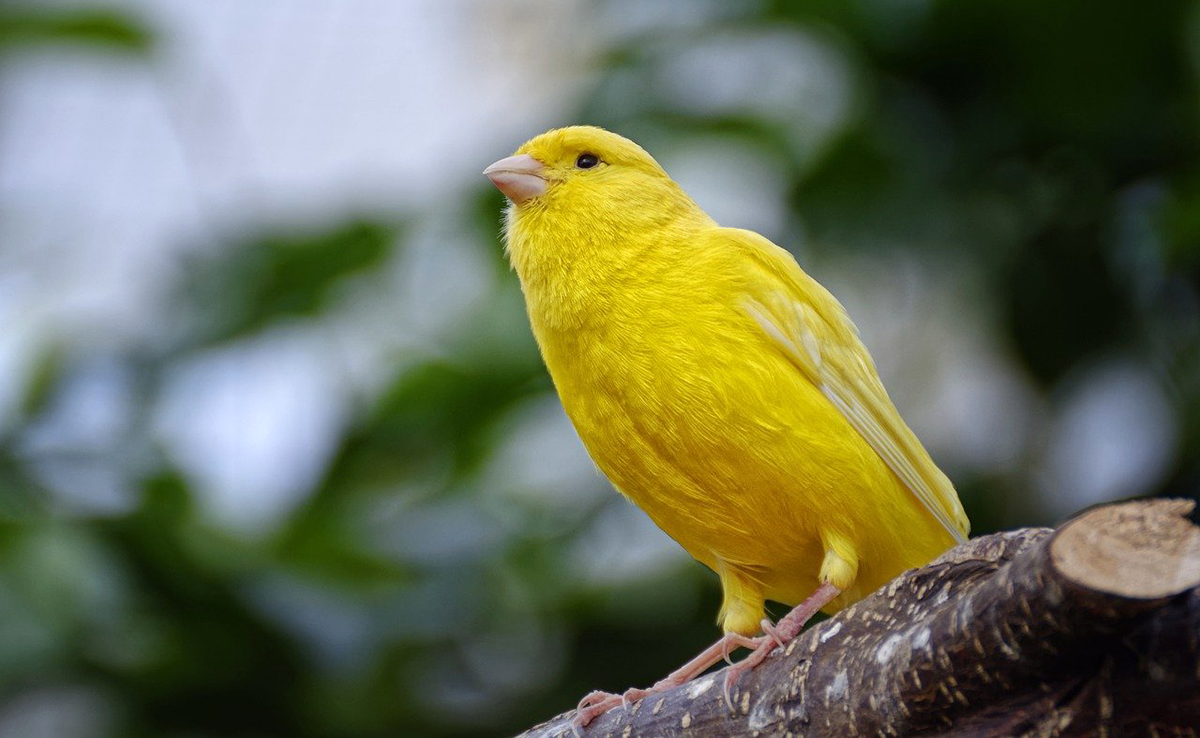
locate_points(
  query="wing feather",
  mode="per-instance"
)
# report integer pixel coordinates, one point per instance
(812, 328)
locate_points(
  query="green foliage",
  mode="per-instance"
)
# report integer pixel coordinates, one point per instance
(31, 26)
(278, 276)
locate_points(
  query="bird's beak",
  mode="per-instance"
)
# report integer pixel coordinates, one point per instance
(518, 177)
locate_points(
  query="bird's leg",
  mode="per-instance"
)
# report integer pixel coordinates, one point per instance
(596, 704)
(779, 634)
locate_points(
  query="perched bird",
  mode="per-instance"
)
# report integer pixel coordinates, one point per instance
(720, 388)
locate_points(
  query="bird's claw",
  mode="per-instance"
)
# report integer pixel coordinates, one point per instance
(772, 632)
(592, 706)
(730, 679)
(593, 698)
(734, 673)
(595, 704)
(726, 652)
(632, 695)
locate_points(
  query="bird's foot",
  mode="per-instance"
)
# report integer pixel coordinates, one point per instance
(778, 635)
(596, 704)
(592, 706)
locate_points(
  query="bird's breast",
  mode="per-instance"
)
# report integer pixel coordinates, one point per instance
(695, 419)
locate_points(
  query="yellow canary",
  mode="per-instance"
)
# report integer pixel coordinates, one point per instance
(717, 385)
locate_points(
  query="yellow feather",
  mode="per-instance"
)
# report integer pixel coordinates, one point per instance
(718, 386)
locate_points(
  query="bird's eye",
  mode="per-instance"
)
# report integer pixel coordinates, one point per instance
(587, 161)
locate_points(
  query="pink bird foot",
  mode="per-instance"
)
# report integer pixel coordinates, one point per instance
(779, 635)
(595, 704)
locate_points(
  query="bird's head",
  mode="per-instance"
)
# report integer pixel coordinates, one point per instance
(582, 178)
(586, 203)
(565, 164)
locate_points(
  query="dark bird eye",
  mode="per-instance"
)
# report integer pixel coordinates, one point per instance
(587, 161)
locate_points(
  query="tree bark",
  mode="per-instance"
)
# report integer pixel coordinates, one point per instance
(1090, 629)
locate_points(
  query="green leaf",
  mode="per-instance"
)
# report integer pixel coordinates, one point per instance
(276, 276)
(105, 28)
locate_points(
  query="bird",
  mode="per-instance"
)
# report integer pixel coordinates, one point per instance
(721, 389)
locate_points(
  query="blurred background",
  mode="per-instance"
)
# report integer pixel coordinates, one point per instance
(277, 453)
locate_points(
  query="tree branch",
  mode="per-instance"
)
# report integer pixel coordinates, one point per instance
(1091, 628)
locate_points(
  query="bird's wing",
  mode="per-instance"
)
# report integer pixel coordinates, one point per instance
(814, 331)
